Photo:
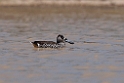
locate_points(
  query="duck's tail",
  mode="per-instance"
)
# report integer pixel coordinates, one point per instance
(31, 42)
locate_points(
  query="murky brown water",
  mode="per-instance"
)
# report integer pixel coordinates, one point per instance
(100, 59)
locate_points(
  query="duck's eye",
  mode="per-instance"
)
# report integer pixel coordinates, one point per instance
(65, 39)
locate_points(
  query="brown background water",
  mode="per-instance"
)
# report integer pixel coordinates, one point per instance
(100, 59)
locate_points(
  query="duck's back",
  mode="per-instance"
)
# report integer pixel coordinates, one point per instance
(45, 44)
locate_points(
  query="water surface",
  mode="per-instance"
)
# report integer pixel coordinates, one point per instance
(96, 57)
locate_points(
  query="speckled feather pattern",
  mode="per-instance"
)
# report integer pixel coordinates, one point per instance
(60, 42)
(46, 44)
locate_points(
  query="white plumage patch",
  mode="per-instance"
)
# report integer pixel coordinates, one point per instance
(38, 44)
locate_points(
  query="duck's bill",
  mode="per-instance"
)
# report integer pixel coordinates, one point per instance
(71, 42)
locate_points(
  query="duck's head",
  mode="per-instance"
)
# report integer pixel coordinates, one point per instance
(62, 39)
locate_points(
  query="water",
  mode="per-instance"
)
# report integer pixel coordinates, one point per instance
(96, 57)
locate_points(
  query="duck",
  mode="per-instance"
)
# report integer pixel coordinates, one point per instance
(60, 42)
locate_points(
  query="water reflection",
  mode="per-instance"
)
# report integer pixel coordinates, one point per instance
(96, 56)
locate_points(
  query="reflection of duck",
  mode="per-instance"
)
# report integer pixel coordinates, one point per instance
(60, 42)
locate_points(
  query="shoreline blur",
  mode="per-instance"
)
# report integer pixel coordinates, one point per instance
(61, 2)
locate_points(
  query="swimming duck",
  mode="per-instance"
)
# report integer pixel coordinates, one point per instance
(60, 42)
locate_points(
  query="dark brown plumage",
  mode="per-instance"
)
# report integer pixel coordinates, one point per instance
(50, 44)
